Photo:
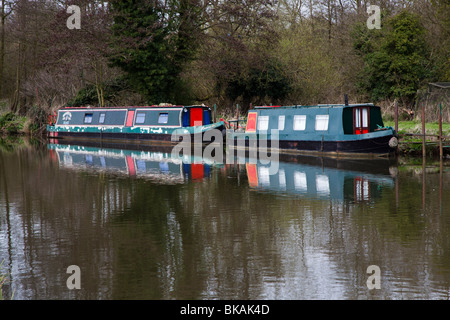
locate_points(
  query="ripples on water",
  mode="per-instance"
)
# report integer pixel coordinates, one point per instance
(144, 225)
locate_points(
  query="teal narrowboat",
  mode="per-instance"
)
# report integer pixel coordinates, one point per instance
(335, 130)
(132, 124)
(318, 177)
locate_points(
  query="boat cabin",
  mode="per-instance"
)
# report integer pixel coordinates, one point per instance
(316, 120)
(154, 116)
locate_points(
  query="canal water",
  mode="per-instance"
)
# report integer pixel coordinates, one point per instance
(145, 224)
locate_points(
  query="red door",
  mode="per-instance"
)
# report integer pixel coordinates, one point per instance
(361, 120)
(196, 117)
(252, 174)
(131, 166)
(197, 171)
(130, 118)
(251, 122)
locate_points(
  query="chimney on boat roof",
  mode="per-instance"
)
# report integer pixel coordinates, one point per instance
(346, 99)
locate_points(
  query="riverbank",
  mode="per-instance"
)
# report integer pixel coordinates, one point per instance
(410, 139)
(12, 124)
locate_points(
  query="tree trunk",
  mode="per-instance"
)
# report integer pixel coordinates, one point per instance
(2, 45)
(15, 97)
(98, 68)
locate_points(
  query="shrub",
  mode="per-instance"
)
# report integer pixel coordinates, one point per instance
(11, 123)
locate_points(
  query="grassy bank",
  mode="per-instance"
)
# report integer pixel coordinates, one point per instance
(415, 127)
(11, 124)
(31, 123)
(412, 145)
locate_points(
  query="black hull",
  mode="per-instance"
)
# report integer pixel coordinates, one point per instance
(137, 137)
(367, 147)
(133, 138)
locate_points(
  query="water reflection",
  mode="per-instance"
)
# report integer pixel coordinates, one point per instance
(323, 178)
(308, 176)
(150, 163)
(143, 225)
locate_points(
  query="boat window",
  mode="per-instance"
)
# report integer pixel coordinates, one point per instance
(357, 118)
(282, 179)
(89, 159)
(322, 184)
(322, 122)
(263, 123)
(361, 116)
(140, 166)
(88, 118)
(103, 162)
(361, 189)
(164, 167)
(163, 118)
(281, 123)
(264, 176)
(300, 182)
(365, 118)
(140, 118)
(299, 122)
(101, 119)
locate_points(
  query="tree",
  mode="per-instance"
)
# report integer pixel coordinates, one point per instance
(262, 83)
(238, 54)
(71, 59)
(4, 13)
(440, 35)
(396, 58)
(151, 42)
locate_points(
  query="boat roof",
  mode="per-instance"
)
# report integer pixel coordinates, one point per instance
(318, 106)
(132, 107)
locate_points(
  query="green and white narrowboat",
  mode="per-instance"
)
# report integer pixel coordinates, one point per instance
(149, 162)
(132, 124)
(328, 130)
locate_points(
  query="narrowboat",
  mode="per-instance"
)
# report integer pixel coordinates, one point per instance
(155, 164)
(342, 130)
(323, 178)
(132, 124)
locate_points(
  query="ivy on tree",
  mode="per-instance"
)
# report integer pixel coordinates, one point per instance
(151, 43)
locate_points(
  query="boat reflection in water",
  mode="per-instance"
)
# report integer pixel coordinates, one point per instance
(324, 178)
(312, 177)
(153, 163)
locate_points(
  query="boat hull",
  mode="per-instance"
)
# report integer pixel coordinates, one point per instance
(133, 135)
(375, 145)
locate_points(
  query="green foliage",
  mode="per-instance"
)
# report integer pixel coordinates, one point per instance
(416, 127)
(38, 120)
(442, 38)
(264, 81)
(310, 65)
(396, 58)
(10, 123)
(365, 40)
(84, 97)
(151, 43)
(88, 95)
